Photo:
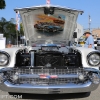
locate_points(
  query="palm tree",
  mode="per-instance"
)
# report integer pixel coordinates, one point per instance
(2, 4)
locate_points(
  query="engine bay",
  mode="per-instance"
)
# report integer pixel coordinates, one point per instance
(48, 57)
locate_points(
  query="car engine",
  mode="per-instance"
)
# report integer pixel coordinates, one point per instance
(48, 57)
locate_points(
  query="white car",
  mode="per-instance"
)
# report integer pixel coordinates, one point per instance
(98, 42)
(49, 63)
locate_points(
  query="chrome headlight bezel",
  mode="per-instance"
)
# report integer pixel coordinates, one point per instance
(91, 55)
(8, 58)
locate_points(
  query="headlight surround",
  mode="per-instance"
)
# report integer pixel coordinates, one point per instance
(94, 59)
(4, 58)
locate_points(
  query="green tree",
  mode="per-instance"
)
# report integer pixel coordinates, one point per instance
(8, 29)
(3, 23)
(2, 4)
(11, 30)
(21, 30)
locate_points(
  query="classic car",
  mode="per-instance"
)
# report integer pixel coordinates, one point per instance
(49, 63)
(48, 27)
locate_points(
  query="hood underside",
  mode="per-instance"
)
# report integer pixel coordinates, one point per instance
(48, 23)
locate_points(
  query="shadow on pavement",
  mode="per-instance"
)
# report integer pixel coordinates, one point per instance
(53, 96)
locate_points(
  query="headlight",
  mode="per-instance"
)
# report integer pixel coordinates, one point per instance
(94, 59)
(4, 59)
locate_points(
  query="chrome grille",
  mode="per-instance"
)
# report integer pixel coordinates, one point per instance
(49, 71)
(38, 81)
(33, 76)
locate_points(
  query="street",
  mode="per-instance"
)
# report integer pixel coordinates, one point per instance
(95, 95)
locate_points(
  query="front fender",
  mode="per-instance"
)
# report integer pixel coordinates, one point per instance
(12, 53)
(84, 52)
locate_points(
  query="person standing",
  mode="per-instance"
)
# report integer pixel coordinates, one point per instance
(89, 41)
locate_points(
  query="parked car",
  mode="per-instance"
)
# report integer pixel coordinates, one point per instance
(95, 43)
(98, 41)
(48, 63)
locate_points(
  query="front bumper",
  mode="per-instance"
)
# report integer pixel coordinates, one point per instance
(45, 88)
(68, 88)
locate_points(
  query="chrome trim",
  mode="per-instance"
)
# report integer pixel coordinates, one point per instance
(37, 76)
(8, 56)
(32, 58)
(47, 70)
(94, 52)
(31, 70)
(68, 88)
(42, 6)
(49, 89)
(45, 76)
(92, 69)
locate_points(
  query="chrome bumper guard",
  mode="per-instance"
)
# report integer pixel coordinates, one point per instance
(45, 88)
(68, 88)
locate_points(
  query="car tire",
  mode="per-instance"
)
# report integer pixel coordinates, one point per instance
(13, 93)
(85, 94)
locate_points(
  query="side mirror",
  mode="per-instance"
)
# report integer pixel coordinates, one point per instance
(75, 35)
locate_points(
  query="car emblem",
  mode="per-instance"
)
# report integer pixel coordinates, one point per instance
(53, 76)
(44, 76)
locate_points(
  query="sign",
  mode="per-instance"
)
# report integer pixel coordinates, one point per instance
(17, 21)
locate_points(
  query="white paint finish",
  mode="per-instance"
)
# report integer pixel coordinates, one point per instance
(29, 20)
(12, 52)
(84, 52)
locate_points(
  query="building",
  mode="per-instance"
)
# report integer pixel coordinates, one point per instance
(79, 30)
(2, 41)
(96, 33)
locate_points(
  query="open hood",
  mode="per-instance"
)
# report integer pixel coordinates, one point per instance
(48, 23)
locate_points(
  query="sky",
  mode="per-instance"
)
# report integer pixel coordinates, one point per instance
(90, 7)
